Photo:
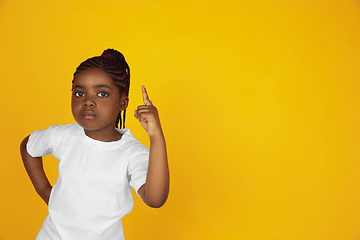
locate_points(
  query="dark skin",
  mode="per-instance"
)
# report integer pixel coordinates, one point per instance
(156, 189)
(95, 104)
(35, 170)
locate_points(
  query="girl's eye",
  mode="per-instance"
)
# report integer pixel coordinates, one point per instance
(102, 94)
(79, 94)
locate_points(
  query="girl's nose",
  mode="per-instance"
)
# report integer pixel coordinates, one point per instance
(89, 103)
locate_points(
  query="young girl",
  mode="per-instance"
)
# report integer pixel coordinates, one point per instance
(99, 163)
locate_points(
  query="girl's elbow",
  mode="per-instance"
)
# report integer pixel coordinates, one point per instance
(154, 199)
(156, 204)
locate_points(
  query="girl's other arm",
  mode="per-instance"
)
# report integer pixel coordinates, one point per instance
(35, 170)
(156, 189)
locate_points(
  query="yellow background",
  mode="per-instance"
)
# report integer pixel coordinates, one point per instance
(259, 101)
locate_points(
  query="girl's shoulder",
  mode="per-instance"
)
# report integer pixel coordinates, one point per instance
(133, 144)
(68, 127)
(58, 131)
(63, 127)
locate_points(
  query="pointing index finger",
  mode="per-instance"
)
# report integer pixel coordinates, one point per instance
(145, 96)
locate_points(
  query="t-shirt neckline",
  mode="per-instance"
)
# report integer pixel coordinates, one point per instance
(105, 145)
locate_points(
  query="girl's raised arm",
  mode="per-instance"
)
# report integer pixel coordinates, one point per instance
(156, 189)
(35, 170)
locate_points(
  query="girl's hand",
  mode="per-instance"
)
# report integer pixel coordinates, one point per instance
(148, 116)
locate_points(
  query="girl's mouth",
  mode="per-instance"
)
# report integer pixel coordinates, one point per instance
(89, 115)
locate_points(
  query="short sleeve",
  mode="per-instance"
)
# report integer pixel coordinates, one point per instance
(137, 168)
(39, 143)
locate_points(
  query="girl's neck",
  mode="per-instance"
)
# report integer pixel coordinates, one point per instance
(111, 136)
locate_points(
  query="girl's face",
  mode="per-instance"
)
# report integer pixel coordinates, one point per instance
(95, 104)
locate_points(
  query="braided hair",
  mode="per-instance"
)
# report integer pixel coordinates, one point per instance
(113, 63)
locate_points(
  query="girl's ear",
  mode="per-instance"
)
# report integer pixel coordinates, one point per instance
(124, 101)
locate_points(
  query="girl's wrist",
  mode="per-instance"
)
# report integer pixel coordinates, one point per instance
(157, 136)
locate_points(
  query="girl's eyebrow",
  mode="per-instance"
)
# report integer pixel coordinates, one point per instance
(77, 86)
(96, 86)
(103, 86)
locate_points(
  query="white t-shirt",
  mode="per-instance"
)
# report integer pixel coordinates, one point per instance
(93, 190)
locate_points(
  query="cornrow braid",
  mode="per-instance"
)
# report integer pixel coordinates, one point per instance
(113, 63)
